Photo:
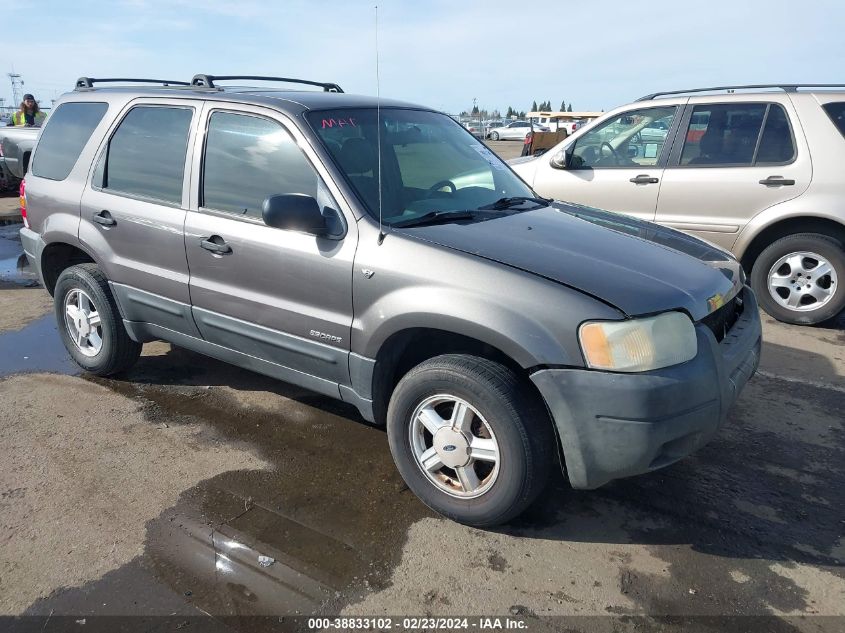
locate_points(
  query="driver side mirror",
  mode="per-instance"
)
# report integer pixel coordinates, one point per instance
(560, 160)
(294, 212)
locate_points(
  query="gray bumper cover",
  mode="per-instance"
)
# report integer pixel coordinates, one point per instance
(614, 425)
(33, 246)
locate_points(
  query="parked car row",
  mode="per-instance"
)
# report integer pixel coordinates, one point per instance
(758, 174)
(503, 130)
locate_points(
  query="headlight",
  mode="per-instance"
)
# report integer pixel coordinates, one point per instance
(639, 344)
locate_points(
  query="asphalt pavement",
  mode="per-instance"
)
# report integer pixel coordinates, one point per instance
(189, 488)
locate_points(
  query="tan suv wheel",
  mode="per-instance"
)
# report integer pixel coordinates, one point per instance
(797, 278)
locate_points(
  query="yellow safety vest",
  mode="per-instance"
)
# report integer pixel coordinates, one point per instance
(18, 118)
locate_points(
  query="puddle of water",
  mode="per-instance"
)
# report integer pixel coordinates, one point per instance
(37, 347)
(330, 519)
(321, 528)
(14, 266)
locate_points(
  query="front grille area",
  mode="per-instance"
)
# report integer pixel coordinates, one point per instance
(722, 320)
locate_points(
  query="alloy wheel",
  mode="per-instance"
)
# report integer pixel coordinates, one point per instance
(454, 446)
(83, 323)
(802, 281)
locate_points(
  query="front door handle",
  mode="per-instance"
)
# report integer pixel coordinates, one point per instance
(644, 179)
(216, 245)
(777, 181)
(104, 218)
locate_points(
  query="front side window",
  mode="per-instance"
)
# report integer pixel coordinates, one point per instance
(428, 162)
(738, 135)
(248, 159)
(634, 138)
(65, 134)
(146, 154)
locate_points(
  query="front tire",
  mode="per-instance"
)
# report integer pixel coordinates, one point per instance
(89, 322)
(494, 136)
(797, 278)
(470, 439)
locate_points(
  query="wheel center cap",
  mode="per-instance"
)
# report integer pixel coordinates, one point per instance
(452, 447)
(84, 327)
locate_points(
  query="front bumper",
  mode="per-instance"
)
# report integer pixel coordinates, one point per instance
(614, 425)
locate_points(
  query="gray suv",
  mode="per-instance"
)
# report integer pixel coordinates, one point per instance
(381, 255)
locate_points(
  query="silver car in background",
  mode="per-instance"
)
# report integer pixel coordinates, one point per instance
(515, 131)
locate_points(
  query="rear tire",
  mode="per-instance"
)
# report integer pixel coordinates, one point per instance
(89, 322)
(510, 433)
(783, 274)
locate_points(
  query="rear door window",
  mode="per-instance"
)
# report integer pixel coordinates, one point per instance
(738, 135)
(65, 134)
(146, 155)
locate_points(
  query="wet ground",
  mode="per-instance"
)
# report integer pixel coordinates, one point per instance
(189, 487)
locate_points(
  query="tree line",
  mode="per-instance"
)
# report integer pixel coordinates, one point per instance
(513, 112)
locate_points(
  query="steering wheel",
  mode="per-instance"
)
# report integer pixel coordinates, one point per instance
(436, 187)
(613, 152)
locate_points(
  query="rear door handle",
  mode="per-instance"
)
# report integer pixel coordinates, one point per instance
(104, 218)
(776, 181)
(644, 179)
(216, 245)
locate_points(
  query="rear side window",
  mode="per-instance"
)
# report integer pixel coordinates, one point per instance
(146, 154)
(65, 134)
(776, 146)
(738, 135)
(836, 112)
(248, 159)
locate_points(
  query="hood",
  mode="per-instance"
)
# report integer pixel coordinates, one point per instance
(638, 267)
(522, 159)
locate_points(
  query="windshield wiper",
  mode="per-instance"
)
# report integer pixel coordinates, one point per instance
(508, 203)
(435, 217)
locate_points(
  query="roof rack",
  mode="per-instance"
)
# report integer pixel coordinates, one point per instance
(207, 81)
(88, 82)
(786, 87)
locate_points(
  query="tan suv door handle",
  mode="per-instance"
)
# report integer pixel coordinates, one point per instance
(104, 218)
(776, 181)
(644, 179)
(216, 245)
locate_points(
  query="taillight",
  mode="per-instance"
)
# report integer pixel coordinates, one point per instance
(23, 203)
(529, 138)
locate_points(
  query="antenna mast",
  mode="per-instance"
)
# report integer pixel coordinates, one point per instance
(17, 87)
(378, 135)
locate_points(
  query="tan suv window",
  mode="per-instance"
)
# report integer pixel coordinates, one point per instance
(729, 135)
(634, 138)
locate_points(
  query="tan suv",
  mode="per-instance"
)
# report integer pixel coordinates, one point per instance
(756, 170)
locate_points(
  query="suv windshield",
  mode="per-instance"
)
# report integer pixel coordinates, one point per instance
(429, 163)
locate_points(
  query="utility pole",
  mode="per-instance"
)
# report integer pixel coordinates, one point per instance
(17, 87)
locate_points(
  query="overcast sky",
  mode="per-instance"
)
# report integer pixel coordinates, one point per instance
(595, 55)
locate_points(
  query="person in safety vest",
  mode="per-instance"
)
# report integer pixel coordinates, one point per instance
(29, 115)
